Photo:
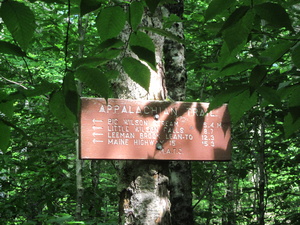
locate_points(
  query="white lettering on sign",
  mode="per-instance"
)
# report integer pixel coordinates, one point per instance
(117, 141)
(136, 129)
(142, 132)
(151, 110)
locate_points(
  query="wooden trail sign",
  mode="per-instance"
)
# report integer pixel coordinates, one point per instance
(153, 130)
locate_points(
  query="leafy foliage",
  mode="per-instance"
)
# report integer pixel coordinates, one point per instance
(19, 20)
(243, 53)
(137, 71)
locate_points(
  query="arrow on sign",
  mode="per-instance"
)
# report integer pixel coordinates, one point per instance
(97, 128)
(95, 141)
(95, 134)
(97, 121)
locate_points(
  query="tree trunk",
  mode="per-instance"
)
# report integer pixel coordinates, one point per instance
(261, 170)
(79, 162)
(144, 185)
(180, 171)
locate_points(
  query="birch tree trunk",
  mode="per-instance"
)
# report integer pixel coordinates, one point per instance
(180, 171)
(145, 185)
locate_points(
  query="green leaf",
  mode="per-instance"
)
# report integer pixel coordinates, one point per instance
(290, 125)
(136, 11)
(89, 61)
(275, 52)
(226, 57)
(240, 104)
(11, 49)
(70, 93)
(216, 7)
(43, 88)
(110, 22)
(19, 20)
(235, 68)
(142, 45)
(59, 109)
(4, 137)
(274, 14)
(257, 76)
(296, 56)
(225, 96)
(110, 43)
(270, 95)
(242, 28)
(94, 79)
(294, 102)
(87, 6)
(96, 61)
(145, 55)
(141, 39)
(7, 109)
(112, 74)
(62, 218)
(137, 71)
(294, 99)
(235, 17)
(164, 33)
(152, 5)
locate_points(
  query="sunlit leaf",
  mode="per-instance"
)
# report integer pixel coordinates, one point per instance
(137, 71)
(145, 55)
(19, 20)
(110, 22)
(142, 45)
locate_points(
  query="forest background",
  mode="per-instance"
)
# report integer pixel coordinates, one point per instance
(245, 53)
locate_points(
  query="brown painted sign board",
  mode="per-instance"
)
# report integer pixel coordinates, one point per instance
(153, 130)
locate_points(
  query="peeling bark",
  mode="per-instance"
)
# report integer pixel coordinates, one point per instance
(145, 185)
(180, 171)
(144, 196)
